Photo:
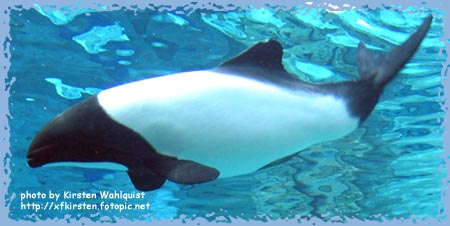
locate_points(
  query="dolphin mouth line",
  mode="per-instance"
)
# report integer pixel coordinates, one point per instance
(35, 159)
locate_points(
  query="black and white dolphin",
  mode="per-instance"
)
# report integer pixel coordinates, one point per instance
(193, 126)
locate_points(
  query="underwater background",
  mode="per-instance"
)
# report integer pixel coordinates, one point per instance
(389, 168)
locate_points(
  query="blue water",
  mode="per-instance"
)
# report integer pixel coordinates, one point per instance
(389, 168)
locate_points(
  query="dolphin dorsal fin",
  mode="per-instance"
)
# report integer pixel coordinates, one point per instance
(263, 62)
(267, 55)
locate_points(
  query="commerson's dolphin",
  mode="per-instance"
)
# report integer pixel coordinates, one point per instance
(193, 127)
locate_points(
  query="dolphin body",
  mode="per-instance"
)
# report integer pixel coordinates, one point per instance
(193, 127)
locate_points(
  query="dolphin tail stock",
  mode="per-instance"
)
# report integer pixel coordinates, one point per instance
(382, 68)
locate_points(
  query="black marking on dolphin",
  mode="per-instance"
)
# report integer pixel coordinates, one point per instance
(85, 133)
(93, 131)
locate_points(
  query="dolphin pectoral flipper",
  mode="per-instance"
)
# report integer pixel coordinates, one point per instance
(157, 170)
(190, 172)
(144, 179)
